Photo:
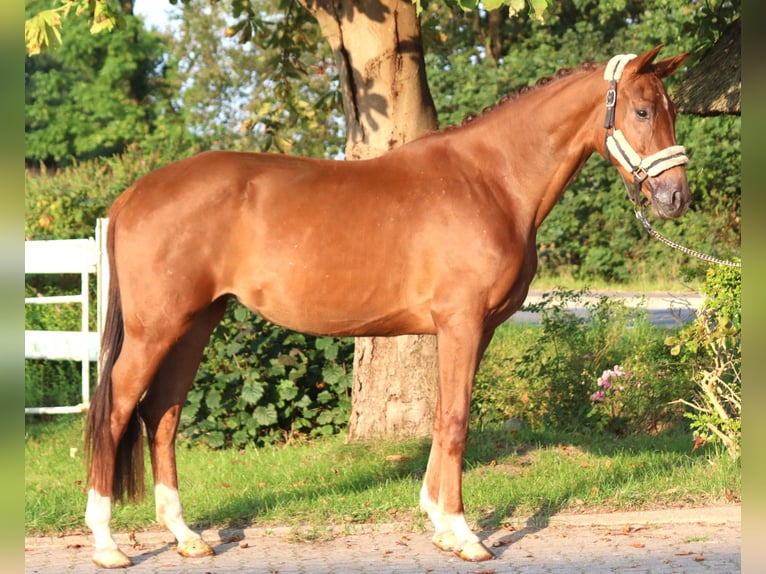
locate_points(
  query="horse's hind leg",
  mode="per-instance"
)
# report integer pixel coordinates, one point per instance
(161, 409)
(112, 423)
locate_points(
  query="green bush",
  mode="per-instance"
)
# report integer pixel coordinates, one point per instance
(712, 348)
(52, 383)
(548, 375)
(65, 203)
(259, 384)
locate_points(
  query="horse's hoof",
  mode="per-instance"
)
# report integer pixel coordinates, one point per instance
(474, 552)
(112, 558)
(194, 548)
(445, 541)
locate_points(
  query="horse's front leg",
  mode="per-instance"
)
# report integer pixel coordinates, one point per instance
(461, 345)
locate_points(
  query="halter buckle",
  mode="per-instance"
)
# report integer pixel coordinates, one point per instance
(611, 100)
(640, 174)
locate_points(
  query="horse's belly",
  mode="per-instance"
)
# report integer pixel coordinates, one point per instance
(332, 307)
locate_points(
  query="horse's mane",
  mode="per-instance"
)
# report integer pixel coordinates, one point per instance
(562, 73)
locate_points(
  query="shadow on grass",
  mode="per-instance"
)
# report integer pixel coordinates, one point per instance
(595, 464)
(485, 448)
(244, 509)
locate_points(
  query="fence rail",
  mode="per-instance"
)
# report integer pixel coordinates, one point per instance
(83, 257)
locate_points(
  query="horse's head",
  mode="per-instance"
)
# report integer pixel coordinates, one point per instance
(640, 132)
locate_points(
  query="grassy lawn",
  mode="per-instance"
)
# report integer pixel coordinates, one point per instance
(671, 283)
(509, 476)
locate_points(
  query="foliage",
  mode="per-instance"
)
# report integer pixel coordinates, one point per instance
(270, 84)
(536, 7)
(65, 203)
(52, 383)
(711, 18)
(41, 31)
(260, 384)
(96, 94)
(547, 377)
(712, 347)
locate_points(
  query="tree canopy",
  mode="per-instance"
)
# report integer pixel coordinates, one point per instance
(96, 93)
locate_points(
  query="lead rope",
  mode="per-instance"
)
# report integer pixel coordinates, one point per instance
(654, 233)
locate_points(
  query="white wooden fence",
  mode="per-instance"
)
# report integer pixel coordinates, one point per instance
(69, 256)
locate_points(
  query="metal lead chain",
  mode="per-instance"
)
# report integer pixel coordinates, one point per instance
(648, 226)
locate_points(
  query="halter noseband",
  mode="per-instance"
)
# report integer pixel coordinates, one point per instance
(616, 145)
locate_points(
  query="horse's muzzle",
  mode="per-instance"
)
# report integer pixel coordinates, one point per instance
(670, 199)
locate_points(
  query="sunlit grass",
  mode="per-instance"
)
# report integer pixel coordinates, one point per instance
(508, 476)
(671, 283)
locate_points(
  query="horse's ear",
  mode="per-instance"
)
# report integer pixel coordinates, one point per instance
(665, 67)
(645, 64)
(642, 63)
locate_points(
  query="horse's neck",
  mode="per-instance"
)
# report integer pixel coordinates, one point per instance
(550, 133)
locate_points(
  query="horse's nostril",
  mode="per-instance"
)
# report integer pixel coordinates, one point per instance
(681, 198)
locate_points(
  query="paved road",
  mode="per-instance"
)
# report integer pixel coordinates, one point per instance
(664, 309)
(706, 540)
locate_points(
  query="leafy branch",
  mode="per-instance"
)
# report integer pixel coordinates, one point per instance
(42, 31)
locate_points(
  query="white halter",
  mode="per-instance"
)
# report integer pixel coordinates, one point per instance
(618, 146)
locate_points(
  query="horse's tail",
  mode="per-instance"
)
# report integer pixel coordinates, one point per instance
(128, 477)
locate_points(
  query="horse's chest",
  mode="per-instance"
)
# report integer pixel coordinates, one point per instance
(511, 288)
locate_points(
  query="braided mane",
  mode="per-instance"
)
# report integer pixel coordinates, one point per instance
(562, 73)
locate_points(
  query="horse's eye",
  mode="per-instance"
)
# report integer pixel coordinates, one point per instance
(642, 113)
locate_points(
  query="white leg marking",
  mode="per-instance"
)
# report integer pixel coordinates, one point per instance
(170, 515)
(444, 522)
(460, 529)
(432, 509)
(97, 516)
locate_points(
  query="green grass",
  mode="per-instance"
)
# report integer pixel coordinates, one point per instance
(508, 477)
(637, 284)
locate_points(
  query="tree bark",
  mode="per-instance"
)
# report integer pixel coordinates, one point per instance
(378, 50)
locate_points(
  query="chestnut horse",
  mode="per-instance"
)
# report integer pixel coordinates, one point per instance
(435, 237)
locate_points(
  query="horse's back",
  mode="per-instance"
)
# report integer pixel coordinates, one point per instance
(332, 247)
(293, 238)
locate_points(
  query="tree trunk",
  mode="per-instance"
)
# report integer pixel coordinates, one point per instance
(378, 49)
